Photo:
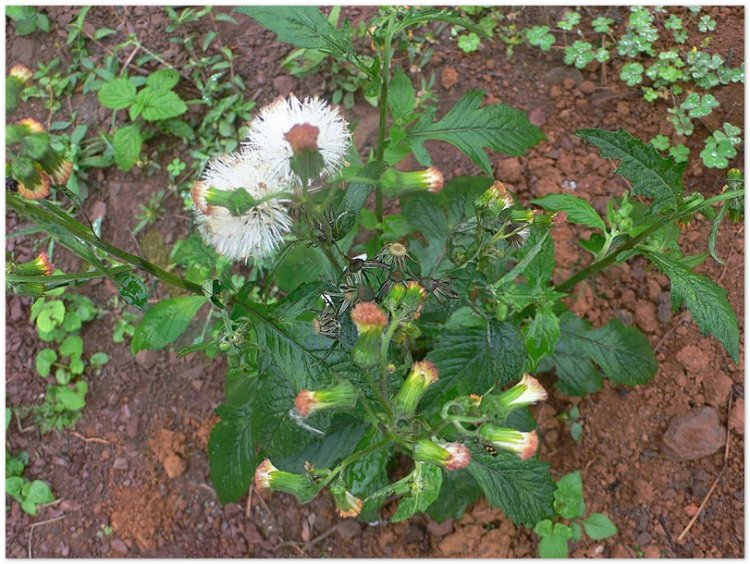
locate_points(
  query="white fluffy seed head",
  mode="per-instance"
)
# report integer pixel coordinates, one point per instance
(269, 129)
(259, 231)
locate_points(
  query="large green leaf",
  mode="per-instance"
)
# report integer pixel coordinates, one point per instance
(540, 336)
(401, 96)
(128, 143)
(117, 94)
(423, 491)
(472, 128)
(473, 358)
(623, 353)
(233, 460)
(706, 300)
(459, 491)
(165, 322)
(303, 26)
(649, 173)
(157, 105)
(578, 210)
(523, 489)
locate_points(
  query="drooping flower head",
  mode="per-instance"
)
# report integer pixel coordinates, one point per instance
(289, 128)
(259, 230)
(347, 504)
(522, 444)
(268, 477)
(451, 456)
(341, 396)
(527, 392)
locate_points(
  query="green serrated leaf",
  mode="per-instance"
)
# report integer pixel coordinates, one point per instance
(458, 492)
(302, 26)
(471, 359)
(157, 105)
(117, 94)
(649, 173)
(424, 490)
(165, 322)
(472, 128)
(232, 457)
(523, 489)
(599, 527)
(706, 300)
(401, 96)
(553, 546)
(579, 210)
(163, 79)
(569, 501)
(128, 143)
(540, 336)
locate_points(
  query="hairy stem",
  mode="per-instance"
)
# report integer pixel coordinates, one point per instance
(632, 242)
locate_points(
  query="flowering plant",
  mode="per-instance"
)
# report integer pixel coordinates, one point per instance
(421, 349)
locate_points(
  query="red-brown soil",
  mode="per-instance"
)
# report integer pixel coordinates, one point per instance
(137, 460)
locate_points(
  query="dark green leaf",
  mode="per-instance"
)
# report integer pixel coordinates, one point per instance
(649, 173)
(458, 492)
(540, 336)
(471, 129)
(164, 79)
(523, 489)
(165, 322)
(232, 457)
(401, 97)
(471, 359)
(578, 210)
(159, 105)
(706, 300)
(302, 26)
(340, 441)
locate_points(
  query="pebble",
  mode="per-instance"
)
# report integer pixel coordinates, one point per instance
(147, 358)
(449, 77)
(175, 466)
(587, 87)
(645, 316)
(737, 417)
(285, 84)
(509, 170)
(694, 434)
(119, 546)
(120, 463)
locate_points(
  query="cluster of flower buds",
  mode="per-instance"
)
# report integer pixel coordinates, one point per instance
(395, 182)
(451, 456)
(405, 301)
(35, 165)
(422, 375)
(268, 477)
(341, 396)
(370, 321)
(493, 201)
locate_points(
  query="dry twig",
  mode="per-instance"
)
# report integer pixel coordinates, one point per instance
(90, 439)
(34, 525)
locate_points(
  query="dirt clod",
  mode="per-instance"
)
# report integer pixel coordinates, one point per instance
(694, 434)
(449, 77)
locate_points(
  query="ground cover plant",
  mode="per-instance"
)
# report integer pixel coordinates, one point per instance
(404, 372)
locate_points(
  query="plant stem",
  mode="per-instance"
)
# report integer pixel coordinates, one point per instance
(611, 257)
(82, 232)
(19, 279)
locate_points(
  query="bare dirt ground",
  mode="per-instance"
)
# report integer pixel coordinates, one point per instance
(137, 460)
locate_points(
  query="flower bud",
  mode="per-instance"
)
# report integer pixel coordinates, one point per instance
(267, 476)
(22, 73)
(41, 265)
(522, 444)
(31, 125)
(347, 504)
(423, 374)
(198, 192)
(341, 396)
(527, 392)
(370, 321)
(306, 160)
(413, 300)
(451, 456)
(34, 184)
(494, 200)
(395, 182)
